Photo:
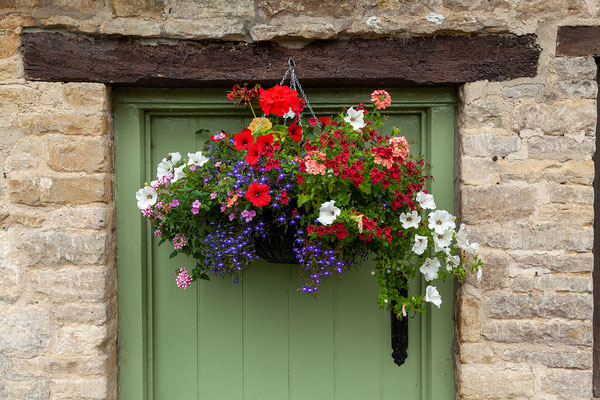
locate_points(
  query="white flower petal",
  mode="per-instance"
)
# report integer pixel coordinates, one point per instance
(433, 296)
(164, 168)
(179, 174)
(430, 268)
(197, 158)
(146, 197)
(328, 212)
(441, 221)
(410, 220)
(426, 201)
(355, 118)
(420, 244)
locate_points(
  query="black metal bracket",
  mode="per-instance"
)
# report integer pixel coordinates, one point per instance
(399, 327)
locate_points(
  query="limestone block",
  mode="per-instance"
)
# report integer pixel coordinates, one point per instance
(517, 306)
(60, 190)
(478, 353)
(85, 155)
(488, 112)
(533, 237)
(56, 365)
(490, 382)
(208, 28)
(571, 172)
(496, 203)
(82, 6)
(79, 217)
(92, 314)
(557, 118)
(71, 284)
(11, 69)
(131, 26)
(524, 90)
(544, 10)
(81, 339)
(554, 282)
(473, 5)
(86, 96)
(55, 247)
(478, 171)
(554, 260)
(570, 193)
(561, 148)
(569, 214)
(193, 9)
(577, 89)
(68, 388)
(313, 8)
(469, 320)
(24, 329)
(12, 21)
(526, 331)
(569, 384)
(138, 8)
(28, 388)
(490, 145)
(553, 357)
(495, 273)
(67, 124)
(9, 43)
(575, 68)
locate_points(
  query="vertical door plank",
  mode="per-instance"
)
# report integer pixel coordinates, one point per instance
(174, 311)
(311, 341)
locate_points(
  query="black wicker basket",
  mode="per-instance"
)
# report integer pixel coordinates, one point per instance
(277, 245)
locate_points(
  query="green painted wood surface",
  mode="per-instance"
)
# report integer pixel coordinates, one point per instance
(260, 339)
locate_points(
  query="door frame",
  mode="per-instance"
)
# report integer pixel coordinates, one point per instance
(133, 108)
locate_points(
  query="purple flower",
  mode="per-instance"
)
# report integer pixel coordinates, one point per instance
(196, 204)
(231, 216)
(213, 196)
(195, 211)
(174, 203)
(248, 215)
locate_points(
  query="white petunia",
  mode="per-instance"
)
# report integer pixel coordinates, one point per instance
(173, 157)
(430, 268)
(328, 212)
(146, 197)
(165, 167)
(433, 296)
(426, 201)
(420, 244)
(179, 174)
(440, 221)
(462, 241)
(442, 240)
(289, 114)
(355, 118)
(410, 220)
(452, 261)
(197, 159)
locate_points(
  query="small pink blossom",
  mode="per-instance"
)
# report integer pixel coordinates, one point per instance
(213, 196)
(218, 164)
(231, 216)
(312, 121)
(179, 241)
(157, 232)
(183, 280)
(196, 204)
(248, 215)
(174, 203)
(381, 99)
(193, 167)
(195, 211)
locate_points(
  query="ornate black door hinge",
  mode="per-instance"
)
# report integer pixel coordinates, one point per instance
(399, 336)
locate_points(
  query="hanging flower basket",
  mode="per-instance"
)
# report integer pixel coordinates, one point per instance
(321, 192)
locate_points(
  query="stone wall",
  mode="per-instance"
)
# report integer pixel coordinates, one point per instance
(525, 192)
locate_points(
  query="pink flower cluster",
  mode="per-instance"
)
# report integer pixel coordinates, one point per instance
(397, 150)
(248, 215)
(183, 280)
(313, 166)
(164, 181)
(196, 207)
(179, 241)
(381, 99)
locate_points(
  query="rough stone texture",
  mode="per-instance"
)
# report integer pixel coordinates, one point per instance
(523, 184)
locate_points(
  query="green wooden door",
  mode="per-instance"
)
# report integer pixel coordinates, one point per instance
(260, 339)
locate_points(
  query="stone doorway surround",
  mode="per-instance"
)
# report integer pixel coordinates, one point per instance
(524, 144)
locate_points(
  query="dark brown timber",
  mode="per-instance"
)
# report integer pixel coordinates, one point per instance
(578, 41)
(51, 56)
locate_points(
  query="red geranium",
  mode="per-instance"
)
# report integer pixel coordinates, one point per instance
(243, 139)
(258, 194)
(264, 141)
(295, 132)
(325, 120)
(278, 100)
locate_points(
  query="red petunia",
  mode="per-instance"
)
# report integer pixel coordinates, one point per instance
(258, 194)
(284, 197)
(295, 132)
(279, 99)
(243, 139)
(265, 140)
(254, 151)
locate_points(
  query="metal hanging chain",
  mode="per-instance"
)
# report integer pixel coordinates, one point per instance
(294, 85)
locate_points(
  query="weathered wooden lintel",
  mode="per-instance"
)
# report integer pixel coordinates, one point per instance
(438, 60)
(578, 41)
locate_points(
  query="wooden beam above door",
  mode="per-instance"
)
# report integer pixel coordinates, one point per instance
(434, 60)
